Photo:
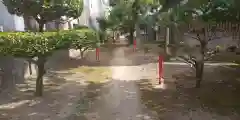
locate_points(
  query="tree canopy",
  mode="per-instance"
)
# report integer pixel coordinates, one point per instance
(44, 11)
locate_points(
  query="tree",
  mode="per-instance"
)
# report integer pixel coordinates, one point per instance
(127, 15)
(109, 23)
(44, 11)
(204, 14)
(33, 47)
(82, 40)
(37, 48)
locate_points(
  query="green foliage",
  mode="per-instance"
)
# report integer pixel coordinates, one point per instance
(206, 10)
(45, 10)
(83, 39)
(30, 45)
(127, 13)
(221, 10)
(42, 45)
(79, 27)
(103, 24)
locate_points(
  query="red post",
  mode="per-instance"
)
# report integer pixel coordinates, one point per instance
(134, 45)
(160, 69)
(97, 53)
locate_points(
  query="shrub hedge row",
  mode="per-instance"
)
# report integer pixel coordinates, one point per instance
(36, 47)
(30, 44)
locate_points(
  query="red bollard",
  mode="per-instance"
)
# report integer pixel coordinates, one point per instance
(134, 45)
(160, 69)
(97, 54)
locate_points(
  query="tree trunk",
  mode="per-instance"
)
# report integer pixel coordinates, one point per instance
(69, 25)
(138, 36)
(30, 67)
(57, 25)
(27, 23)
(113, 37)
(101, 37)
(167, 37)
(131, 35)
(41, 27)
(199, 73)
(81, 54)
(200, 60)
(150, 33)
(41, 71)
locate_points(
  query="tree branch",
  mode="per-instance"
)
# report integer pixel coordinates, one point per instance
(210, 54)
(196, 38)
(86, 48)
(63, 21)
(213, 37)
(189, 61)
(31, 60)
(37, 19)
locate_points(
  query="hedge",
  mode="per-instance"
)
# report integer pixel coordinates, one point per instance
(37, 47)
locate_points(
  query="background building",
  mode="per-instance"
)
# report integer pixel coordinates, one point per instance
(10, 22)
(92, 9)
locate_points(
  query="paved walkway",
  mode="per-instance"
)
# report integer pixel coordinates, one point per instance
(123, 99)
(120, 99)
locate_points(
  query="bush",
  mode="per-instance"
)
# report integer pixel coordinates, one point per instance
(25, 44)
(79, 27)
(30, 45)
(82, 40)
(37, 47)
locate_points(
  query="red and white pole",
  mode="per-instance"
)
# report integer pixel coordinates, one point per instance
(134, 45)
(160, 69)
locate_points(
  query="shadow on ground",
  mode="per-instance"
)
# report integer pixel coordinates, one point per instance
(116, 100)
(218, 96)
(90, 95)
(22, 104)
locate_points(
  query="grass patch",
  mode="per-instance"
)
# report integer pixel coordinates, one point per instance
(93, 74)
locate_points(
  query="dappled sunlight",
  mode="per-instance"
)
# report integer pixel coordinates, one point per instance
(94, 74)
(126, 73)
(217, 97)
(13, 105)
(109, 100)
(88, 92)
(162, 86)
(58, 98)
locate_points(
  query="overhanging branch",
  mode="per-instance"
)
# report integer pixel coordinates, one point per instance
(190, 61)
(196, 38)
(31, 60)
(210, 54)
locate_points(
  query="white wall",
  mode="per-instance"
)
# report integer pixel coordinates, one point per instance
(10, 22)
(18, 23)
(84, 18)
(92, 9)
(97, 9)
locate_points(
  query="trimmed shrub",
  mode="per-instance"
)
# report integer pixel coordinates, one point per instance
(37, 47)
